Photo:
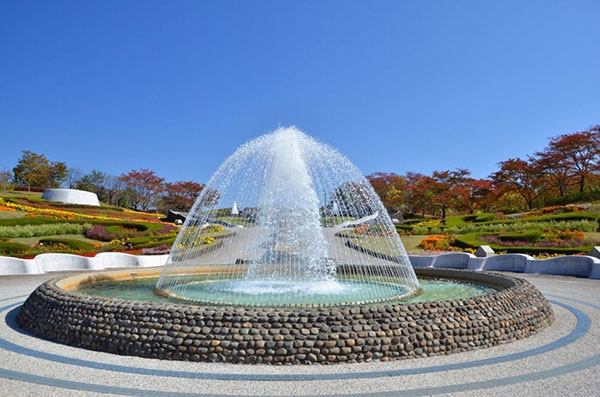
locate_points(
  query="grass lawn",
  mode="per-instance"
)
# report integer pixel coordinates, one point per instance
(380, 244)
(11, 214)
(33, 240)
(593, 235)
(14, 193)
(411, 243)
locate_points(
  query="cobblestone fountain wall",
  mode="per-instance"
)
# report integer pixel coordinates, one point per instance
(290, 336)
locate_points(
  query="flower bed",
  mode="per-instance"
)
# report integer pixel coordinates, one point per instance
(550, 241)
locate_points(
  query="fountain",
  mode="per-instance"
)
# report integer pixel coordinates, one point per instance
(300, 198)
(287, 257)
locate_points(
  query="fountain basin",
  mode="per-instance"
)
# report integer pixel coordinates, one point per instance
(275, 335)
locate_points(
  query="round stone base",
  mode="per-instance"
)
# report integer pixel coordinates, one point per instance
(325, 335)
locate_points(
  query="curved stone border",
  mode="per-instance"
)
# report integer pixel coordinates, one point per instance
(288, 336)
(570, 265)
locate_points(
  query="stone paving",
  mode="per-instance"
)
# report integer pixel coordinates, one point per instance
(563, 359)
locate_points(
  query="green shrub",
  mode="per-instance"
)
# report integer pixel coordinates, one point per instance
(150, 241)
(590, 195)
(70, 243)
(10, 248)
(582, 225)
(42, 230)
(472, 240)
(148, 227)
(456, 220)
(469, 218)
(484, 217)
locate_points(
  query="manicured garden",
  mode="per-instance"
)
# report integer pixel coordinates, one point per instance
(555, 230)
(30, 226)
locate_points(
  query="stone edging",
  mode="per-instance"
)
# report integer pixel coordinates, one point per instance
(290, 336)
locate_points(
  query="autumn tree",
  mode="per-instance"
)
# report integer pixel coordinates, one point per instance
(555, 168)
(35, 170)
(520, 176)
(180, 196)
(142, 187)
(390, 188)
(474, 194)
(579, 152)
(419, 193)
(445, 188)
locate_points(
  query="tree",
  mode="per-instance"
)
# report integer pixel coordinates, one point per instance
(5, 178)
(36, 170)
(419, 193)
(94, 182)
(114, 190)
(142, 188)
(390, 188)
(73, 177)
(579, 151)
(445, 187)
(556, 169)
(180, 196)
(475, 194)
(520, 176)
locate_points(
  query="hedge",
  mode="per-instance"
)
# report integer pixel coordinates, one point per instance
(150, 241)
(39, 220)
(590, 195)
(8, 247)
(471, 240)
(71, 243)
(42, 230)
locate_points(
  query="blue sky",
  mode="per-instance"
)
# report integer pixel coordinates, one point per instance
(396, 86)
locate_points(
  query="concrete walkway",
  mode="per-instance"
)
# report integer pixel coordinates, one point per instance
(563, 359)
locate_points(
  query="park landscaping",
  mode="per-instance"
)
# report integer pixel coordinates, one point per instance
(548, 230)
(30, 225)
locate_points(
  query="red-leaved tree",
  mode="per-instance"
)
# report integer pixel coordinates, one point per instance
(180, 196)
(578, 152)
(143, 188)
(520, 176)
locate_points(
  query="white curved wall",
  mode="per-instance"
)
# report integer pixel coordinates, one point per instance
(572, 265)
(71, 196)
(65, 262)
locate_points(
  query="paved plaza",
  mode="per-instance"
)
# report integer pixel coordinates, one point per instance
(563, 359)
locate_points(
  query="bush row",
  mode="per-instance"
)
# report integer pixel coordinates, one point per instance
(68, 243)
(582, 224)
(575, 197)
(472, 240)
(11, 248)
(43, 230)
(140, 227)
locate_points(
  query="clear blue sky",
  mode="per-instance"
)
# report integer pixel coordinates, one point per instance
(395, 85)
